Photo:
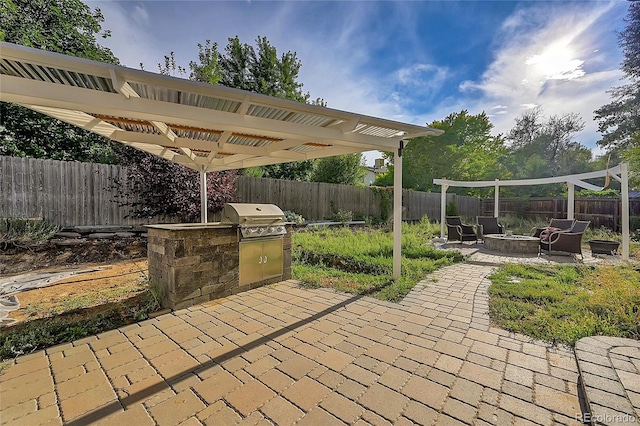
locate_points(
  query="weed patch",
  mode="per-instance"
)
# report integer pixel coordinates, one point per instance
(360, 261)
(42, 333)
(14, 231)
(562, 304)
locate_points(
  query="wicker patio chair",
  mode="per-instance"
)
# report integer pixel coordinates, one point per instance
(554, 225)
(566, 241)
(486, 225)
(458, 231)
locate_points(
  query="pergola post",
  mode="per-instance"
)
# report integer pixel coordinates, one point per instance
(496, 199)
(203, 197)
(397, 212)
(624, 187)
(443, 207)
(571, 207)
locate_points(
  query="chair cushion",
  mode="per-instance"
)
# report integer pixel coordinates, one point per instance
(544, 235)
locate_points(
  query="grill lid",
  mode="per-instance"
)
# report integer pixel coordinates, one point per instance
(247, 214)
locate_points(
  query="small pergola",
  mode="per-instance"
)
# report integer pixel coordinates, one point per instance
(619, 173)
(201, 126)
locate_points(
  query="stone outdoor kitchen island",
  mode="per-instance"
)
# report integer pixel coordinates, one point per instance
(194, 263)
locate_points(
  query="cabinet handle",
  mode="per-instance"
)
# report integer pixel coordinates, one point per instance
(265, 259)
(260, 260)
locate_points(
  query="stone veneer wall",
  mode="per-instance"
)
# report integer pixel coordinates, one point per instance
(516, 244)
(192, 265)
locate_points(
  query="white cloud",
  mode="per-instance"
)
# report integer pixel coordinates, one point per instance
(130, 37)
(548, 58)
(140, 15)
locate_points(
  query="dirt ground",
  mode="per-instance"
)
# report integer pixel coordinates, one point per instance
(122, 273)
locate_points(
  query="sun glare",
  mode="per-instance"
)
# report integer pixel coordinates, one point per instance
(556, 63)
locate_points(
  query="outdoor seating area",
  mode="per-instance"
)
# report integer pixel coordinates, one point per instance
(561, 236)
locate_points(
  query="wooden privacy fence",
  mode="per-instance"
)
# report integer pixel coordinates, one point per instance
(602, 212)
(82, 194)
(317, 201)
(62, 192)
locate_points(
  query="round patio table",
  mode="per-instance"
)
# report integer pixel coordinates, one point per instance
(520, 244)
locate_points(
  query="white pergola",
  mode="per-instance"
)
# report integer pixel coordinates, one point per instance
(201, 126)
(619, 173)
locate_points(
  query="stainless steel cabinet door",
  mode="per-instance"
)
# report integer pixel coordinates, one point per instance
(272, 258)
(250, 262)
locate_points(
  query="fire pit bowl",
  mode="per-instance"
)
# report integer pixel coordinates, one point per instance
(604, 246)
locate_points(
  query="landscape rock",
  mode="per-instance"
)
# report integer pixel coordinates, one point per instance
(101, 235)
(66, 234)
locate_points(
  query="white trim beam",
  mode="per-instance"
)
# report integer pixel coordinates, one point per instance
(527, 182)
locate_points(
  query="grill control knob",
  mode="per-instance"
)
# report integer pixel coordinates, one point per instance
(272, 229)
(261, 230)
(279, 229)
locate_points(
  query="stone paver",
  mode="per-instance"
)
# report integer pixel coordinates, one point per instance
(282, 354)
(610, 372)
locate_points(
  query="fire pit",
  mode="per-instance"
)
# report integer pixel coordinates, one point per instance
(520, 244)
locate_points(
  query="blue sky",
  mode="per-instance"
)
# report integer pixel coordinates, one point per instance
(411, 61)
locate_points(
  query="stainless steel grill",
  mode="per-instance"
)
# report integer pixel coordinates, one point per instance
(255, 220)
(261, 232)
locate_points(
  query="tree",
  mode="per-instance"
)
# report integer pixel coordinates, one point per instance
(543, 147)
(165, 188)
(466, 151)
(550, 140)
(295, 170)
(619, 120)
(261, 71)
(63, 26)
(208, 69)
(343, 169)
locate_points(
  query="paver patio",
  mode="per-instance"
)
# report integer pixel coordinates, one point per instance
(285, 355)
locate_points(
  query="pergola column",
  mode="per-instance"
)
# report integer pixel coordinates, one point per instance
(397, 212)
(443, 207)
(624, 189)
(496, 199)
(203, 197)
(570, 200)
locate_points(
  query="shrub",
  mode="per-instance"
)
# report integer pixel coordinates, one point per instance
(163, 188)
(293, 217)
(452, 208)
(25, 230)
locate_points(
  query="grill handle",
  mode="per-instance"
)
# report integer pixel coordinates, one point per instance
(262, 220)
